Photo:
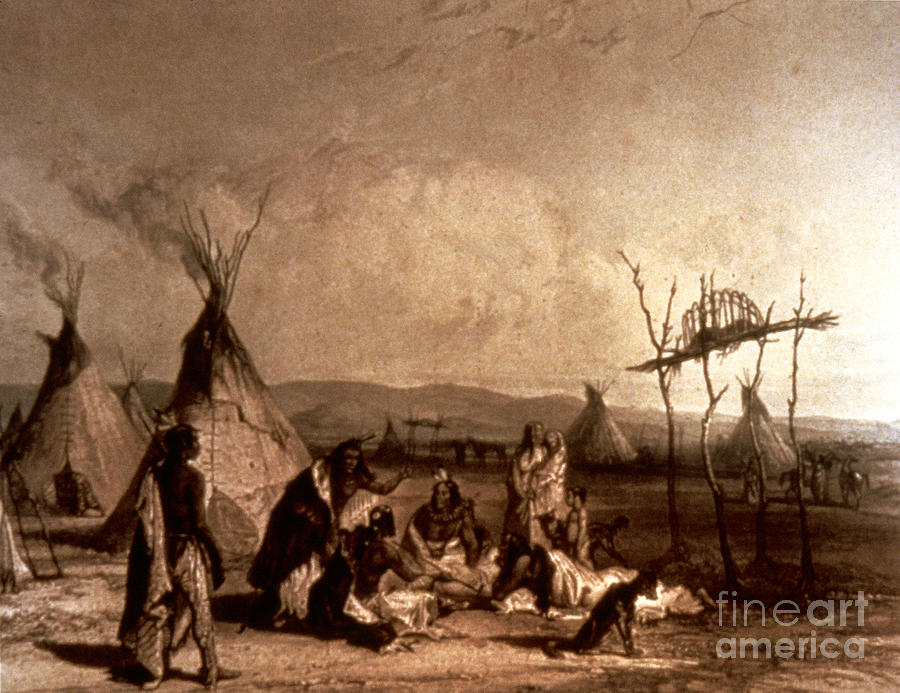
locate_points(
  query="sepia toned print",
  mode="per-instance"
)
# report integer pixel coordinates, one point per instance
(468, 345)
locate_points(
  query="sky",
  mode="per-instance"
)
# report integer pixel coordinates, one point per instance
(450, 182)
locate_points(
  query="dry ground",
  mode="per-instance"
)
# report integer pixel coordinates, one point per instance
(60, 635)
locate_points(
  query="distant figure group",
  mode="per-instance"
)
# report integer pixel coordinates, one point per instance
(816, 470)
(480, 449)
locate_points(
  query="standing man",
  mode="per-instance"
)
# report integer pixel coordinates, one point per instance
(174, 565)
(530, 455)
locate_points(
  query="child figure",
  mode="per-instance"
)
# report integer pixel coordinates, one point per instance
(579, 548)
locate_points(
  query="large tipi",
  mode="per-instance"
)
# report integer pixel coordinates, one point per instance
(248, 448)
(738, 450)
(594, 438)
(76, 421)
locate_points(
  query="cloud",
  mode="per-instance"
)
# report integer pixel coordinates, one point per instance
(428, 265)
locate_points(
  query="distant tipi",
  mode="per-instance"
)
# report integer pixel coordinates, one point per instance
(391, 447)
(594, 438)
(249, 450)
(77, 422)
(738, 450)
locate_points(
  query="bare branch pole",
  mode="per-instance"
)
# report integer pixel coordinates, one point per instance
(806, 564)
(68, 301)
(220, 268)
(705, 17)
(760, 558)
(664, 376)
(707, 296)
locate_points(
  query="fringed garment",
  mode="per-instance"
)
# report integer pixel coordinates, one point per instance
(161, 596)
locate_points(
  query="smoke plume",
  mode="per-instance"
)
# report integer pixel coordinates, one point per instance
(31, 250)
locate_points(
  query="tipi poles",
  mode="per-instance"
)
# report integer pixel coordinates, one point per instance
(28, 560)
(37, 511)
(212, 448)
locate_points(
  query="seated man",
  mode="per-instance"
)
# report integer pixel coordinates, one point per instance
(552, 580)
(347, 602)
(374, 554)
(523, 565)
(449, 546)
(303, 528)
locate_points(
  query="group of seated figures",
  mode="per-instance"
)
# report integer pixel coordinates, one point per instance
(330, 564)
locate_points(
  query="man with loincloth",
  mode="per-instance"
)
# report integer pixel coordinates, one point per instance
(173, 567)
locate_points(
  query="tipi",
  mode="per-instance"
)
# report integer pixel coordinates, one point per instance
(76, 421)
(737, 451)
(390, 448)
(248, 448)
(13, 570)
(132, 402)
(594, 438)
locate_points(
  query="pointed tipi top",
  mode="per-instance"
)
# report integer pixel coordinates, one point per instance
(738, 450)
(68, 353)
(390, 446)
(76, 418)
(595, 438)
(248, 449)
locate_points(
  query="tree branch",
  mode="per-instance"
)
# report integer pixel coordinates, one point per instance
(706, 16)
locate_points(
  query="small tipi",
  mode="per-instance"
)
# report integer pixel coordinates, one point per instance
(738, 449)
(76, 420)
(594, 438)
(132, 402)
(390, 448)
(249, 450)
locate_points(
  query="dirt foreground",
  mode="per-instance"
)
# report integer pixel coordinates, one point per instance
(59, 635)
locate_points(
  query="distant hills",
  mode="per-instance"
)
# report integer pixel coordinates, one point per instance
(325, 411)
(321, 409)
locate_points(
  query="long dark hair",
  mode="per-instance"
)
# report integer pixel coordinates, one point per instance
(527, 436)
(334, 458)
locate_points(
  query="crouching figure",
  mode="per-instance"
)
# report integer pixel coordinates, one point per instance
(615, 609)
